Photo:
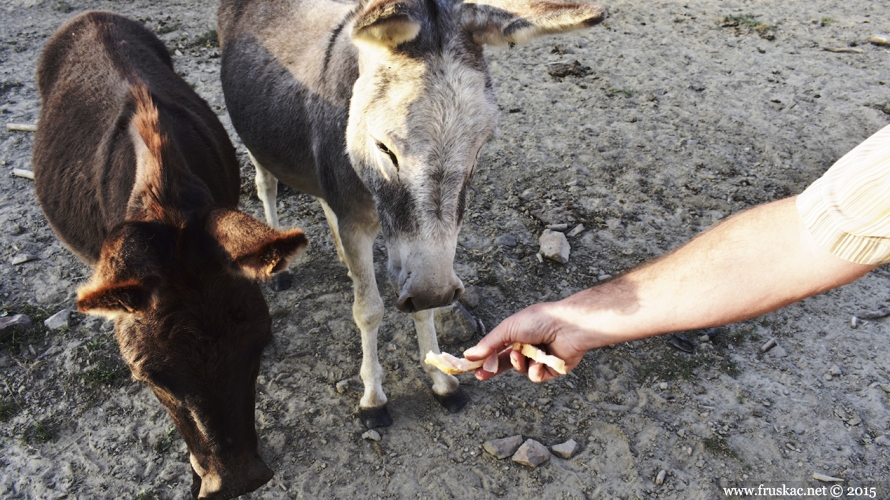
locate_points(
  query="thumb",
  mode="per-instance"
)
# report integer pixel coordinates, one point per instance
(495, 341)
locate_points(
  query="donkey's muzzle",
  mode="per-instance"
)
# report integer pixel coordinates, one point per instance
(411, 301)
(230, 484)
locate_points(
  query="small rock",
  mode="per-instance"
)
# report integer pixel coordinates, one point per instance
(9, 323)
(827, 376)
(471, 297)
(506, 240)
(854, 421)
(555, 246)
(828, 479)
(679, 341)
(371, 435)
(659, 479)
(22, 258)
(885, 388)
(704, 338)
(854, 322)
(835, 370)
(576, 231)
(57, 320)
(769, 345)
(557, 227)
(454, 324)
(342, 386)
(562, 70)
(883, 441)
(531, 453)
(178, 53)
(504, 447)
(881, 39)
(778, 352)
(565, 450)
(663, 386)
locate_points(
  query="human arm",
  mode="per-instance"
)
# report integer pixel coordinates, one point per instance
(750, 264)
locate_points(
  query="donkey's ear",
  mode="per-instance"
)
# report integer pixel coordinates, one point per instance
(114, 299)
(501, 22)
(125, 280)
(386, 23)
(256, 250)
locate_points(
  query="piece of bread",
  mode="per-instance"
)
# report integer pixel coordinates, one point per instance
(453, 365)
(532, 352)
(450, 364)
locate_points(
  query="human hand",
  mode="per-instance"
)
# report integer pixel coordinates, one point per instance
(542, 325)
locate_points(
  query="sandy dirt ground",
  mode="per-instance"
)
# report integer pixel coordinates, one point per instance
(691, 111)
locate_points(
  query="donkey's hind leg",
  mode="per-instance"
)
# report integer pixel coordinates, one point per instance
(267, 191)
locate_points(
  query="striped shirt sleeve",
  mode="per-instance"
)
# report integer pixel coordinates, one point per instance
(847, 210)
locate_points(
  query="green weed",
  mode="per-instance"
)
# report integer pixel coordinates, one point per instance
(209, 39)
(8, 409)
(624, 92)
(104, 373)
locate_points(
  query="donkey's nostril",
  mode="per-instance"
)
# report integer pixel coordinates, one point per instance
(405, 304)
(458, 292)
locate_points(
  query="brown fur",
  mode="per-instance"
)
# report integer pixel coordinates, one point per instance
(138, 177)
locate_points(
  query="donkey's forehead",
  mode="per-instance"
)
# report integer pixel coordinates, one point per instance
(439, 96)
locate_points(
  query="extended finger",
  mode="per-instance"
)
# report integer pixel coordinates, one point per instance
(504, 364)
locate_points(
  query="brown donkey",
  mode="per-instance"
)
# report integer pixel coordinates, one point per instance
(138, 177)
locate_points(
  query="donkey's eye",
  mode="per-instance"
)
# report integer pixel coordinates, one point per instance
(385, 150)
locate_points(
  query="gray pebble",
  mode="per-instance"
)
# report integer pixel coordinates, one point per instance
(504, 447)
(371, 435)
(57, 320)
(22, 258)
(768, 345)
(659, 479)
(342, 386)
(531, 453)
(506, 240)
(854, 322)
(778, 352)
(835, 370)
(565, 450)
(9, 323)
(576, 231)
(558, 227)
(454, 324)
(883, 441)
(555, 246)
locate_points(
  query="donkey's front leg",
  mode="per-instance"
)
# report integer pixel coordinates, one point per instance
(267, 191)
(446, 388)
(367, 310)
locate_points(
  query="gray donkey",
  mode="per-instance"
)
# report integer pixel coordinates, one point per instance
(378, 108)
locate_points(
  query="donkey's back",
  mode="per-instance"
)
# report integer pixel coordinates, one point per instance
(86, 78)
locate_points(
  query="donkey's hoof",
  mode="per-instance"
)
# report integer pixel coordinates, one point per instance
(375, 417)
(282, 281)
(453, 402)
